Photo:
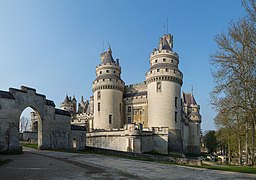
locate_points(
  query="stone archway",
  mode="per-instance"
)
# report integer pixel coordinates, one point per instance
(32, 132)
(55, 127)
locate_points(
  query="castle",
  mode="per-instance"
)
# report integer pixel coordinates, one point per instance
(149, 116)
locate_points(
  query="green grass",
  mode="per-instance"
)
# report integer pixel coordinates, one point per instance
(240, 169)
(29, 145)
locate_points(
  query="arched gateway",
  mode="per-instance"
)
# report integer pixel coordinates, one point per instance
(54, 128)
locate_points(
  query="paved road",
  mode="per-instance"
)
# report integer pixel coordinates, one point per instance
(34, 164)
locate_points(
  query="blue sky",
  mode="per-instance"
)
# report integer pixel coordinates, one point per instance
(54, 45)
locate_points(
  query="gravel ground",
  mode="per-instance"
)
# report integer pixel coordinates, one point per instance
(34, 164)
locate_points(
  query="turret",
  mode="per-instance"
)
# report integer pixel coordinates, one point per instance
(74, 104)
(108, 90)
(164, 81)
(192, 109)
(69, 104)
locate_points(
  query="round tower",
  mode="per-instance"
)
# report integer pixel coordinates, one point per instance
(108, 90)
(67, 104)
(164, 81)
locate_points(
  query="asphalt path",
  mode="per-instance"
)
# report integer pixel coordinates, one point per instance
(35, 164)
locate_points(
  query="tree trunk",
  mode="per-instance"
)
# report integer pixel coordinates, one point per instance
(246, 144)
(240, 150)
(229, 151)
(253, 130)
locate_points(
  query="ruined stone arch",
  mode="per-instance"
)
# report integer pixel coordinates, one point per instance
(55, 127)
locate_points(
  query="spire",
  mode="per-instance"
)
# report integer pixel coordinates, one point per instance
(74, 99)
(66, 100)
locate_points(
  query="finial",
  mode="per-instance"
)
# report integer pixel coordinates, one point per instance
(103, 44)
(167, 25)
(192, 89)
(109, 48)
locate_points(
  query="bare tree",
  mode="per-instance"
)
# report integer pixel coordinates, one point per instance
(234, 96)
(24, 124)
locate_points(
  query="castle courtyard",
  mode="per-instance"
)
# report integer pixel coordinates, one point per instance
(36, 164)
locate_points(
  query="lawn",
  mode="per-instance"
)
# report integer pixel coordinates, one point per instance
(241, 169)
(29, 145)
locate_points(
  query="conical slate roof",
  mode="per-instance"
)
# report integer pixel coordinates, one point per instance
(189, 99)
(66, 100)
(74, 99)
(106, 57)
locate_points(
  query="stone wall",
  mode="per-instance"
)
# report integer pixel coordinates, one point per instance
(29, 136)
(131, 139)
(185, 161)
(77, 139)
(109, 140)
(54, 128)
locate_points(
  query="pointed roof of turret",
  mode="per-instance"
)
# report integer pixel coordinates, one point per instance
(189, 99)
(66, 100)
(106, 57)
(82, 103)
(74, 99)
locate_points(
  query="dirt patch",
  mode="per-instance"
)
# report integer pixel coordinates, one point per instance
(3, 162)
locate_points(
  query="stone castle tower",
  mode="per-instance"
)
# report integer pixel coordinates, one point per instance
(69, 105)
(164, 81)
(148, 116)
(108, 89)
(192, 109)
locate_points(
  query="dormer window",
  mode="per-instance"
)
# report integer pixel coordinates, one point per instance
(107, 71)
(100, 72)
(164, 60)
(156, 61)
(158, 70)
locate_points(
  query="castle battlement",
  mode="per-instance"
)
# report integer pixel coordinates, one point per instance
(136, 85)
(160, 52)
